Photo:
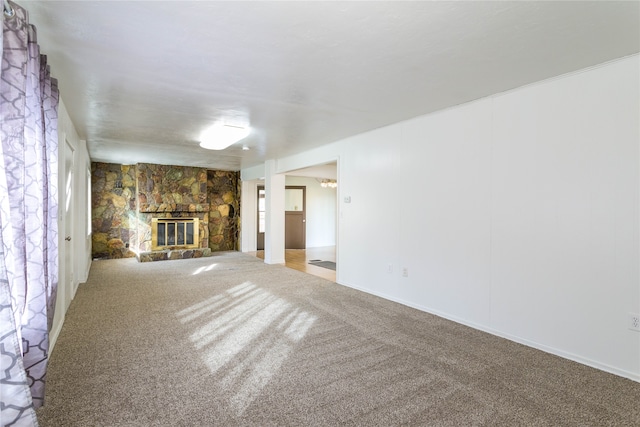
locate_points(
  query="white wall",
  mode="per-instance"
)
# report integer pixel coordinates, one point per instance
(249, 216)
(565, 214)
(517, 214)
(81, 241)
(320, 212)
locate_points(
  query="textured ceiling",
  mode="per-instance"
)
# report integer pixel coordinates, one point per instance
(142, 79)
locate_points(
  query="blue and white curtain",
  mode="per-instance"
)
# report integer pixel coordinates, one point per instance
(28, 218)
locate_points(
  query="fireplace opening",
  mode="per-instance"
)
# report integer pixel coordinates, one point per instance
(174, 233)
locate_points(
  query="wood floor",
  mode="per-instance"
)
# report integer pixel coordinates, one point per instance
(298, 259)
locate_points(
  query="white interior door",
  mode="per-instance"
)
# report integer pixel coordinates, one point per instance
(68, 225)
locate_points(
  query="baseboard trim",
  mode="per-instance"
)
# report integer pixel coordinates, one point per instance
(538, 346)
(53, 335)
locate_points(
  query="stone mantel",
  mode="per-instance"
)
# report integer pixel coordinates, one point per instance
(172, 207)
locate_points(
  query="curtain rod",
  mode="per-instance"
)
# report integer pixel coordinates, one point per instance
(8, 10)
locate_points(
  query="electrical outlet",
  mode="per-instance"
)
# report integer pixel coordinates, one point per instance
(405, 272)
(634, 322)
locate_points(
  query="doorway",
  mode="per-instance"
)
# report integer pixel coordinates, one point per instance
(261, 218)
(68, 224)
(295, 218)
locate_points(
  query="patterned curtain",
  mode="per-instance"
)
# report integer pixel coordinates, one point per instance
(28, 218)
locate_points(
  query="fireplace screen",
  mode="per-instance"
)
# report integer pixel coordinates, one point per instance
(174, 232)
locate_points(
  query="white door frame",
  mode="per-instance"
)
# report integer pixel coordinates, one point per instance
(69, 236)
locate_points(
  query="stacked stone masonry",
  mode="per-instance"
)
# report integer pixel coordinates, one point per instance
(126, 197)
(224, 208)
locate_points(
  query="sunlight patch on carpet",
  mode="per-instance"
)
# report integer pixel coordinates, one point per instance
(202, 269)
(244, 335)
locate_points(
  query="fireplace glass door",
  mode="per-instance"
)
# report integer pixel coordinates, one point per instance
(174, 233)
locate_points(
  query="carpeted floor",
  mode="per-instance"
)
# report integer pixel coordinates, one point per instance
(228, 340)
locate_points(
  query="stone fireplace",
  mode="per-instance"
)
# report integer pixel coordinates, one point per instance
(159, 212)
(171, 201)
(172, 232)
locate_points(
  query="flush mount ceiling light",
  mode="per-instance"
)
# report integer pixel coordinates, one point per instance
(220, 136)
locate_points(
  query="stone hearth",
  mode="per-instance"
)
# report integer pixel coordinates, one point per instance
(173, 254)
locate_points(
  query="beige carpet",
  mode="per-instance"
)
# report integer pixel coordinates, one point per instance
(228, 340)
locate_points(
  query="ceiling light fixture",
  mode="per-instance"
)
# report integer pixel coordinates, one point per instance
(328, 183)
(220, 136)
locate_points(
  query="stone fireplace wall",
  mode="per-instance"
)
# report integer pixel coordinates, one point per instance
(113, 210)
(171, 192)
(125, 198)
(224, 210)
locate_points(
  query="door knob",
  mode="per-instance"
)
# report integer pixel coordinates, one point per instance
(68, 238)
